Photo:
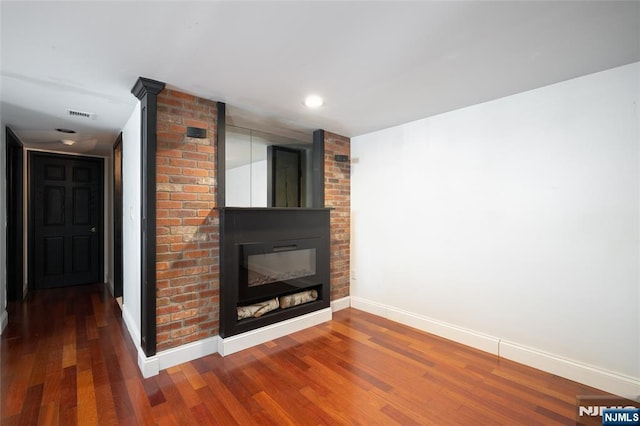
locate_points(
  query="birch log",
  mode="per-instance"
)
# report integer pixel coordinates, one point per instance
(298, 298)
(257, 309)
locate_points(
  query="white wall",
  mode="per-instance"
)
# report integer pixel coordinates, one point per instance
(131, 156)
(517, 218)
(246, 186)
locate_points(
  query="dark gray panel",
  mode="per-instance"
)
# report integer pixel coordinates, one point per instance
(53, 255)
(53, 205)
(54, 172)
(81, 253)
(81, 174)
(81, 206)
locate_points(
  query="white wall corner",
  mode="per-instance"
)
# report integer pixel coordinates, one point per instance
(608, 381)
(4, 320)
(339, 304)
(239, 342)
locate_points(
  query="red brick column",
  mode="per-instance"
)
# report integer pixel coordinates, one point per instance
(187, 241)
(337, 194)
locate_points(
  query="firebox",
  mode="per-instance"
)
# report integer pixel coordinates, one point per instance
(274, 265)
(271, 269)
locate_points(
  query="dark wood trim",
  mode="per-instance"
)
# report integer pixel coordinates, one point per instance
(117, 217)
(318, 169)
(221, 150)
(147, 91)
(30, 225)
(15, 216)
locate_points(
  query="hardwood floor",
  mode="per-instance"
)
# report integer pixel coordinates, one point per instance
(66, 359)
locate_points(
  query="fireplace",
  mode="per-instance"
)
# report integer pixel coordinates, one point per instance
(274, 266)
(271, 269)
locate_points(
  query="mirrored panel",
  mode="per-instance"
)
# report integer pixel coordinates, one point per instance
(266, 170)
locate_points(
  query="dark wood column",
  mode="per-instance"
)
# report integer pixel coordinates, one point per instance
(221, 149)
(15, 212)
(318, 169)
(147, 91)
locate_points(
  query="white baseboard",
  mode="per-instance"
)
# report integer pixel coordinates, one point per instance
(608, 381)
(150, 366)
(339, 304)
(465, 336)
(261, 335)
(573, 370)
(134, 333)
(188, 352)
(4, 320)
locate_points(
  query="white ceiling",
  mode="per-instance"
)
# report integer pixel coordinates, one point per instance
(377, 64)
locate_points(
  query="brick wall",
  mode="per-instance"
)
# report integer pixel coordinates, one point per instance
(187, 227)
(187, 241)
(337, 194)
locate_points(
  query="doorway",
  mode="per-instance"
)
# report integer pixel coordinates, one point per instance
(66, 216)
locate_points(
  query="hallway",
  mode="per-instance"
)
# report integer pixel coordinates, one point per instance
(65, 350)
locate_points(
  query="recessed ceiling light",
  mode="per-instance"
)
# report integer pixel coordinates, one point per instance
(67, 142)
(313, 101)
(62, 130)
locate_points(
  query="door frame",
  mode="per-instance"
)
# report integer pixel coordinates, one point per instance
(117, 209)
(15, 216)
(31, 211)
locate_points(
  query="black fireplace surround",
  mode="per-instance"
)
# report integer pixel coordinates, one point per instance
(267, 253)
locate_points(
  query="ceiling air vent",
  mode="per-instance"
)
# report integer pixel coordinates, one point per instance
(80, 114)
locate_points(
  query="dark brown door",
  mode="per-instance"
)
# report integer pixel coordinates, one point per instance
(67, 215)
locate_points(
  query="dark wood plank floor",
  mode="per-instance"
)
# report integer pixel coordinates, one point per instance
(66, 359)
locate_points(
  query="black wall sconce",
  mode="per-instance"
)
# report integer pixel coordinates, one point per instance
(341, 158)
(196, 132)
